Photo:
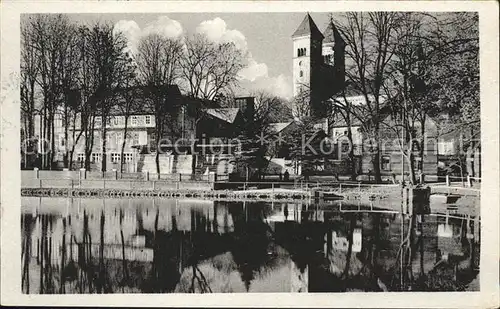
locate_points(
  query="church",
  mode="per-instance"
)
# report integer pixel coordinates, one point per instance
(319, 76)
(318, 68)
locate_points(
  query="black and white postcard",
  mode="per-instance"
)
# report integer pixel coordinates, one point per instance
(318, 154)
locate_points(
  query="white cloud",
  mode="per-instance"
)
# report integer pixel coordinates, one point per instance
(254, 77)
(216, 31)
(277, 85)
(253, 70)
(131, 31)
(165, 26)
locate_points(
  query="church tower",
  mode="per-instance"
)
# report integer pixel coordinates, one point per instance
(307, 63)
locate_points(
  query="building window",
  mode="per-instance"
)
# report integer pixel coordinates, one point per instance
(301, 73)
(345, 147)
(115, 121)
(415, 146)
(148, 119)
(386, 163)
(108, 121)
(115, 157)
(97, 122)
(96, 157)
(81, 157)
(128, 157)
(134, 120)
(419, 163)
(135, 138)
(119, 139)
(301, 52)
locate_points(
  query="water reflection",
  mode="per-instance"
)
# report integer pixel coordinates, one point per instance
(186, 246)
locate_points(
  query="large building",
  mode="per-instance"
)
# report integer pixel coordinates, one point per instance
(319, 79)
(187, 122)
(318, 67)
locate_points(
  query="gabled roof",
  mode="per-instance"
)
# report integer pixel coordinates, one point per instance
(332, 35)
(308, 27)
(224, 114)
(279, 126)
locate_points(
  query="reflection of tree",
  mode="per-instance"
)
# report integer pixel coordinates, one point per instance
(26, 251)
(251, 241)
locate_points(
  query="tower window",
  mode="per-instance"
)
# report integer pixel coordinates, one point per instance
(301, 52)
(301, 73)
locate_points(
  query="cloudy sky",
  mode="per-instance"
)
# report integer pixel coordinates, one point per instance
(266, 37)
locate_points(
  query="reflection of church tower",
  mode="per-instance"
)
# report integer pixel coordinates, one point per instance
(318, 67)
(307, 59)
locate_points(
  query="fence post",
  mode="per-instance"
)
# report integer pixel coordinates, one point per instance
(146, 175)
(37, 173)
(340, 187)
(448, 180)
(180, 177)
(359, 187)
(40, 183)
(115, 174)
(469, 181)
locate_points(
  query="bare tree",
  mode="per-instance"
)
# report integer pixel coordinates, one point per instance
(158, 63)
(52, 35)
(210, 68)
(127, 103)
(301, 107)
(369, 50)
(107, 51)
(429, 60)
(29, 72)
(70, 97)
(343, 106)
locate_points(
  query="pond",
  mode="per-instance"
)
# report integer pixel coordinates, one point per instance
(74, 245)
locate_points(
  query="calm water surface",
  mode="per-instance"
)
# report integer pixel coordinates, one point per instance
(202, 246)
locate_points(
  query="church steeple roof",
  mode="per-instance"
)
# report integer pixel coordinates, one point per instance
(308, 27)
(332, 35)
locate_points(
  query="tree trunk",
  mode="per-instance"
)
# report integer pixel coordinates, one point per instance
(104, 143)
(351, 149)
(157, 160)
(157, 136)
(411, 164)
(376, 157)
(101, 257)
(352, 225)
(422, 141)
(52, 140)
(125, 132)
(66, 136)
(376, 166)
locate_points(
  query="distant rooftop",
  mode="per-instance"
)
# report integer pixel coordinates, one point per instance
(225, 114)
(279, 126)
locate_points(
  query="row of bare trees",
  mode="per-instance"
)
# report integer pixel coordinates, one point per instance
(73, 74)
(415, 66)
